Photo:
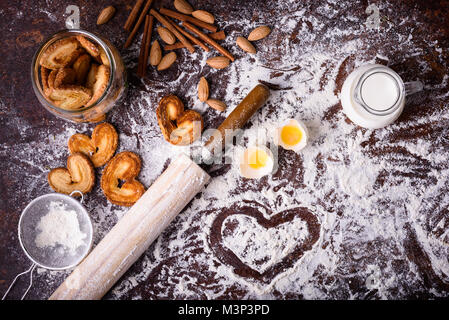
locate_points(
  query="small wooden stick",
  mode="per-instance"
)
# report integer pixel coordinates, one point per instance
(178, 45)
(170, 27)
(138, 23)
(175, 46)
(133, 15)
(142, 47)
(147, 46)
(192, 38)
(208, 40)
(183, 17)
(220, 35)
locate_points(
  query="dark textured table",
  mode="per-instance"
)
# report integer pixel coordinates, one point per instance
(381, 197)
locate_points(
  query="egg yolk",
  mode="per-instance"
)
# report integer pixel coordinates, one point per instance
(257, 159)
(291, 135)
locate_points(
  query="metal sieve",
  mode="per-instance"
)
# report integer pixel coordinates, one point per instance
(53, 257)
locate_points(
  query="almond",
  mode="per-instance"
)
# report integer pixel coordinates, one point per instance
(259, 33)
(166, 35)
(155, 53)
(203, 89)
(245, 45)
(219, 62)
(183, 6)
(166, 61)
(216, 104)
(105, 15)
(203, 16)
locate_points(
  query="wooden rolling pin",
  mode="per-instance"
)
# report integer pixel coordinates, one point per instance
(147, 218)
(238, 117)
(134, 233)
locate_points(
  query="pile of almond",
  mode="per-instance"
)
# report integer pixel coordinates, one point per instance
(156, 58)
(178, 29)
(187, 35)
(217, 62)
(74, 72)
(184, 7)
(203, 96)
(257, 34)
(164, 62)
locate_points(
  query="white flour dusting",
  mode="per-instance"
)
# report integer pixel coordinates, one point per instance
(340, 184)
(371, 190)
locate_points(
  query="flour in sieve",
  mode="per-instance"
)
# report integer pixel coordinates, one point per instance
(60, 226)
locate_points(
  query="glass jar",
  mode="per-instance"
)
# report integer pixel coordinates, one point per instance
(115, 89)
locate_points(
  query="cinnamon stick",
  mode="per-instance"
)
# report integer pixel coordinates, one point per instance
(220, 35)
(178, 45)
(208, 40)
(192, 38)
(170, 27)
(138, 23)
(186, 18)
(147, 46)
(133, 15)
(142, 47)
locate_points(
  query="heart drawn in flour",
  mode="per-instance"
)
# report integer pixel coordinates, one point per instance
(261, 248)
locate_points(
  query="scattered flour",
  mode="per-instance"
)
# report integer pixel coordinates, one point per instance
(370, 190)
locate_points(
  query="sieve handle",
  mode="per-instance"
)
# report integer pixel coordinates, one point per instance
(30, 270)
(77, 191)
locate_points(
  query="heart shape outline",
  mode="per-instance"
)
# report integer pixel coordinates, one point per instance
(228, 257)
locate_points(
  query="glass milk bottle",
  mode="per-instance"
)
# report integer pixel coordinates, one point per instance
(373, 95)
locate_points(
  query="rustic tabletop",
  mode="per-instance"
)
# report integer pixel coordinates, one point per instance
(379, 198)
